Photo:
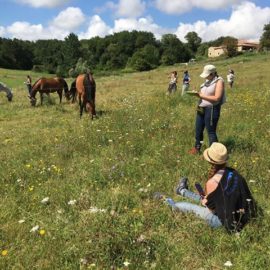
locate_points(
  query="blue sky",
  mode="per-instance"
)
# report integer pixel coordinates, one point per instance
(44, 19)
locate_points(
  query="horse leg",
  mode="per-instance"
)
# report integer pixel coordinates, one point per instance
(41, 98)
(91, 109)
(81, 104)
(60, 94)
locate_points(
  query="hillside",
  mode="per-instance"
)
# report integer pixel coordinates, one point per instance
(99, 176)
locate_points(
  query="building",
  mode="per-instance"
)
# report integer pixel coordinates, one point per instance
(216, 51)
(242, 46)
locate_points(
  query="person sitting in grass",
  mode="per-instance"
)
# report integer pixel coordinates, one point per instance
(226, 200)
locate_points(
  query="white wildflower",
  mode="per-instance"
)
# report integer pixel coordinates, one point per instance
(228, 264)
(45, 200)
(35, 228)
(21, 221)
(94, 209)
(126, 263)
(71, 202)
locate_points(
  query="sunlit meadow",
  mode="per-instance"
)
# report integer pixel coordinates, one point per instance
(77, 194)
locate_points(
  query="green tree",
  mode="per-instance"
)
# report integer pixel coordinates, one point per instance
(173, 50)
(231, 45)
(265, 38)
(144, 59)
(72, 50)
(193, 41)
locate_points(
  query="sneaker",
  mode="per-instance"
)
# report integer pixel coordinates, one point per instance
(183, 184)
(158, 196)
(194, 151)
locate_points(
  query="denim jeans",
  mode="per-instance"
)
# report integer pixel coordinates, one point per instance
(200, 211)
(209, 120)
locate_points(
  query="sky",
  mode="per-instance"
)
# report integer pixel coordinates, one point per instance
(210, 19)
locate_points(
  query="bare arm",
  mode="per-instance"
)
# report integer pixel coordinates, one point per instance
(218, 93)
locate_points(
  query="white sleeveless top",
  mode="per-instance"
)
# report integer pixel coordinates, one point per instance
(208, 89)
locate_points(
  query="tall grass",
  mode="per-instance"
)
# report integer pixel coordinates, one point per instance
(99, 176)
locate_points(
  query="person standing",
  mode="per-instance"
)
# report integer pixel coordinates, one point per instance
(186, 82)
(230, 78)
(173, 82)
(212, 96)
(29, 84)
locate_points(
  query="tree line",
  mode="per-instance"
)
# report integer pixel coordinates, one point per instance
(136, 50)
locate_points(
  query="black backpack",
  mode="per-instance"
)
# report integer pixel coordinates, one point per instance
(232, 201)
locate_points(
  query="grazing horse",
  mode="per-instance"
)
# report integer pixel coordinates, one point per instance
(49, 85)
(86, 90)
(4, 88)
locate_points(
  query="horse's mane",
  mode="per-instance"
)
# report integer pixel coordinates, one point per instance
(36, 82)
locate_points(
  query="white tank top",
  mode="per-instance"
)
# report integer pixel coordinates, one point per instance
(208, 89)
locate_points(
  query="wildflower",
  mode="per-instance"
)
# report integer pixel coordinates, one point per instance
(126, 263)
(42, 232)
(228, 264)
(21, 221)
(31, 188)
(72, 202)
(94, 209)
(34, 229)
(19, 180)
(109, 140)
(83, 261)
(4, 252)
(45, 200)
(28, 166)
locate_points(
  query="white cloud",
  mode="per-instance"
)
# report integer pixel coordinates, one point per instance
(26, 31)
(43, 3)
(2, 31)
(64, 23)
(246, 22)
(183, 6)
(141, 24)
(97, 27)
(131, 9)
(69, 19)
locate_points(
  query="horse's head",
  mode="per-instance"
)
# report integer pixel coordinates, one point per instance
(9, 96)
(33, 101)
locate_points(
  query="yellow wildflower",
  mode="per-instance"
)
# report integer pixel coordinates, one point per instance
(4, 252)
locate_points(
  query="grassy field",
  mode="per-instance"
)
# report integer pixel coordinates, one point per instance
(77, 194)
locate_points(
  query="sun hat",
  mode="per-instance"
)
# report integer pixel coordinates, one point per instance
(216, 153)
(207, 70)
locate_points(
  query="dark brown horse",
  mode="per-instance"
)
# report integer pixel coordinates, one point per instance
(86, 91)
(47, 86)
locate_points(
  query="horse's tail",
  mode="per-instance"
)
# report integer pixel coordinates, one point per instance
(65, 87)
(90, 87)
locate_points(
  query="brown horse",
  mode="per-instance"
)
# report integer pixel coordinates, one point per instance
(47, 86)
(86, 91)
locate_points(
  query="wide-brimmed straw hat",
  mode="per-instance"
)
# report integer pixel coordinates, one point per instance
(217, 153)
(207, 70)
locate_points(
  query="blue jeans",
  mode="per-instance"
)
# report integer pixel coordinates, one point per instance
(200, 211)
(209, 119)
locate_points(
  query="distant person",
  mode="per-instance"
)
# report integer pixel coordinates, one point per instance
(212, 96)
(186, 82)
(225, 200)
(173, 82)
(230, 78)
(29, 84)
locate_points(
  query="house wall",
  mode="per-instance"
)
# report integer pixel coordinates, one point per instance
(215, 51)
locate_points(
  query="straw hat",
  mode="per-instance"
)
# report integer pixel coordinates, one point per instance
(207, 70)
(216, 153)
